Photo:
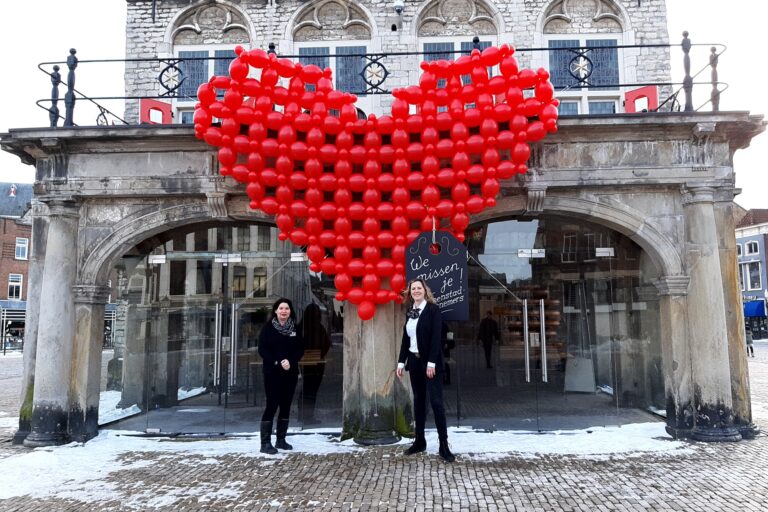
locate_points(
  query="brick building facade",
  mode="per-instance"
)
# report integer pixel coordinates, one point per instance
(15, 247)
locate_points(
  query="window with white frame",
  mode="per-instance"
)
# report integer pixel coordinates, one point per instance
(570, 246)
(585, 72)
(741, 278)
(204, 38)
(259, 282)
(738, 249)
(753, 248)
(197, 66)
(22, 249)
(15, 282)
(750, 275)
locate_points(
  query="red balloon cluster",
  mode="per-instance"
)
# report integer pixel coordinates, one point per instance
(355, 191)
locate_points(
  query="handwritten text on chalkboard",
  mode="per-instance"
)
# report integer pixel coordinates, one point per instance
(445, 271)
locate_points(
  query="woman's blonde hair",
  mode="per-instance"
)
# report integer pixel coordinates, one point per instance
(427, 292)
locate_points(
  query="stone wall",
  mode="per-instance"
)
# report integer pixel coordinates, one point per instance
(522, 23)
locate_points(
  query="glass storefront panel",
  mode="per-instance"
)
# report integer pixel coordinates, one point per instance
(595, 358)
(563, 331)
(187, 319)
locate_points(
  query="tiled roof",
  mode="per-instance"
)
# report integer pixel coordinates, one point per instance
(753, 217)
(14, 198)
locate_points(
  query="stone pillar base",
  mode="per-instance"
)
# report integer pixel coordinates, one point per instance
(371, 438)
(716, 434)
(749, 431)
(375, 429)
(20, 436)
(38, 440)
(49, 427)
(679, 433)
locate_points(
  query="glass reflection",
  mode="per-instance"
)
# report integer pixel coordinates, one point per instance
(189, 308)
(576, 340)
(577, 316)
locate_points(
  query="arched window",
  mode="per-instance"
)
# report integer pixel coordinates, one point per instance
(206, 37)
(584, 63)
(335, 34)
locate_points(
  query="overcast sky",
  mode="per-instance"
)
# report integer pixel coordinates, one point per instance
(96, 28)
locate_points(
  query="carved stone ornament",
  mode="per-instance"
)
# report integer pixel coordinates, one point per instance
(570, 16)
(331, 20)
(456, 17)
(211, 24)
(537, 192)
(217, 204)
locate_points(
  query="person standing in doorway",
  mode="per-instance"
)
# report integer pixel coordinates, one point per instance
(750, 346)
(488, 332)
(315, 338)
(421, 354)
(281, 348)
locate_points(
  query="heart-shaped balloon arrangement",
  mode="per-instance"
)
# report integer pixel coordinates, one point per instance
(355, 191)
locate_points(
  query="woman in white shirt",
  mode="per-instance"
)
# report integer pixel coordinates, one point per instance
(421, 354)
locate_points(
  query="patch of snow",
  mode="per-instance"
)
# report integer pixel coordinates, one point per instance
(108, 410)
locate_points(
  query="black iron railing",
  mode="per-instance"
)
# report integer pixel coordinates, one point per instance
(580, 75)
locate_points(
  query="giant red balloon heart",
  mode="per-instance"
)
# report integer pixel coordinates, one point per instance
(354, 191)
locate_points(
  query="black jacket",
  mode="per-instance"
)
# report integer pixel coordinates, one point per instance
(274, 347)
(429, 330)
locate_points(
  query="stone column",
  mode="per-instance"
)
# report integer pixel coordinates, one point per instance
(36, 265)
(676, 354)
(707, 326)
(85, 385)
(56, 328)
(377, 406)
(734, 315)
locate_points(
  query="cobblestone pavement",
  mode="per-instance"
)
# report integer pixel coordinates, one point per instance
(717, 477)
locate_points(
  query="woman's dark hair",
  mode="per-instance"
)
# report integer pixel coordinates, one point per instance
(277, 304)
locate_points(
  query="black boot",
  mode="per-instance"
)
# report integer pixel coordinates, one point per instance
(445, 451)
(282, 430)
(266, 438)
(419, 445)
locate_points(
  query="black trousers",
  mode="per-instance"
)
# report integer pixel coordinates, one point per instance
(279, 386)
(422, 386)
(487, 346)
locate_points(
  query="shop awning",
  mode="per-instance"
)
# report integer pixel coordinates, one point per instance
(754, 308)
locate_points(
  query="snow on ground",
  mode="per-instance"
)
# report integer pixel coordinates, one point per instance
(80, 471)
(109, 411)
(8, 423)
(109, 400)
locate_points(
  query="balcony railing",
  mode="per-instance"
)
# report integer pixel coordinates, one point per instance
(578, 75)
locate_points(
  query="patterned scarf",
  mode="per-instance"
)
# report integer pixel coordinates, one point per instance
(287, 329)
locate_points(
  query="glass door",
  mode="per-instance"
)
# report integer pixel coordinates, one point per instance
(564, 333)
(188, 312)
(494, 355)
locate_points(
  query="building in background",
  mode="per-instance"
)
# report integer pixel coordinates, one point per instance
(751, 236)
(16, 240)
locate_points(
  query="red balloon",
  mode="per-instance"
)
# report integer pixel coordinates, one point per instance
(366, 310)
(343, 282)
(355, 190)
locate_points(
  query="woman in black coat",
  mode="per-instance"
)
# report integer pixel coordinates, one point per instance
(280, 347)
(421, 354)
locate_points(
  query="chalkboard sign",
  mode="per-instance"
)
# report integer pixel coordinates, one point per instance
(444, 268)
